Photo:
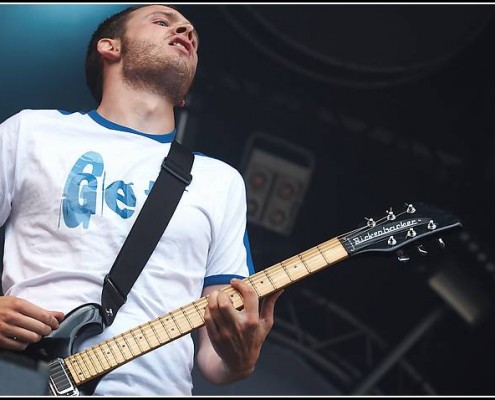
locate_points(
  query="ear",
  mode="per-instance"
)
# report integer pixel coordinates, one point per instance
(109, 49)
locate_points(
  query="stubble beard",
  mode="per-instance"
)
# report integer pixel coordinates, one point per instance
(146, 67)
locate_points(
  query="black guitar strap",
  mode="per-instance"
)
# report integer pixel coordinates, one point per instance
(147, 230)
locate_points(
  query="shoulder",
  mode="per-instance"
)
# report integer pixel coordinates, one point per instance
(33, 116)
(216, 168)
(33, 113)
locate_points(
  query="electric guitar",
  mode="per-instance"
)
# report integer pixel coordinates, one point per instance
(74, 374)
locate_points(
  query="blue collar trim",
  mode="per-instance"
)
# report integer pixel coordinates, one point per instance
(163, 138)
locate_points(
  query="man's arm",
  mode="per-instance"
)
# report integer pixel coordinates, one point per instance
(231, 340)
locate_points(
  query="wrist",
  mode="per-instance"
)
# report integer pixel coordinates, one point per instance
(239, 373)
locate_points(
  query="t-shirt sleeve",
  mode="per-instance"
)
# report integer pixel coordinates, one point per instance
(8, 149)
(230, 255)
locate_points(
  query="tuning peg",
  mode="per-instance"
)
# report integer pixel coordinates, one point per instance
(410, 209)
(422, 250)
(370, 222)
(431, 225)
(402, 257)
(411, 233)
(390, 215)
(442, 243)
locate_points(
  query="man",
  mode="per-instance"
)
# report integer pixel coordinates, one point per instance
(71, 186)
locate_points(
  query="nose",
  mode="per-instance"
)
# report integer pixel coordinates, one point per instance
(185, 29)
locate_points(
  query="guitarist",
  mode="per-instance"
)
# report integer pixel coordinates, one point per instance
(71, 186)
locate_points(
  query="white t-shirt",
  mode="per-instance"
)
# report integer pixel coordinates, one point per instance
(71, 186)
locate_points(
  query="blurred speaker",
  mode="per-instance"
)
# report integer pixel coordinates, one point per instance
(277, 175)
(22, 376)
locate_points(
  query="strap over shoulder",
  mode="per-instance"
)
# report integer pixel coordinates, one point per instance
(174, 177)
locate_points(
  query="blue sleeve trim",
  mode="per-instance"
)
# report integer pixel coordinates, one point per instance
(220, 279)
(248, 251)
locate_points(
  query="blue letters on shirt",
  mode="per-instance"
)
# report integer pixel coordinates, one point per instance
(81, 191)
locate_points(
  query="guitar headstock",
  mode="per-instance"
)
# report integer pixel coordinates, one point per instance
(396, 230)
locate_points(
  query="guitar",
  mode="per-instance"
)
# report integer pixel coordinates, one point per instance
(74, 374)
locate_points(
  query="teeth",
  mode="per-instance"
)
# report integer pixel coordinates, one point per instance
(177, 44)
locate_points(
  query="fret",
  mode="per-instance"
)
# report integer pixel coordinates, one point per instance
(323, 255)
(286, 271)
(261, 284)
(200, 313)
(187, 318)
(175, 323)
(98, 365)
(298, 266)
(116, 354)
(100, 356)
(175, 332)
(107, 353)
(131, 342)
(80, 366)
(73, 370)
(163, 323)
(194, 317)
(314, 259)
(333, 251)
(155, 332)
(145, 335)
(88, 363)
(234, 296)
(304, 263)
(139, 340)
(269, 279)
(279, 276)
(253, 286)
(123, 347)
(295, 271)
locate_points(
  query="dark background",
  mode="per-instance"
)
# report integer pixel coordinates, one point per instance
(394, 105)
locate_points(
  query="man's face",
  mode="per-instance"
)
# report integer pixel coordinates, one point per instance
(159, 51)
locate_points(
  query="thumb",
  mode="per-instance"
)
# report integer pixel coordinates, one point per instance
(268, 306)
(58, 315)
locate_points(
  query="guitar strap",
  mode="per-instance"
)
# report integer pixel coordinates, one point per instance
(147, 230)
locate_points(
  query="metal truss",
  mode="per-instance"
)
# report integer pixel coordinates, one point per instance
(348, 353)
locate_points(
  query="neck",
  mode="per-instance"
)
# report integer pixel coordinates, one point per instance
(141, 111)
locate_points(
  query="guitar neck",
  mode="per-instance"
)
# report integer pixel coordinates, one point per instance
(112, 353)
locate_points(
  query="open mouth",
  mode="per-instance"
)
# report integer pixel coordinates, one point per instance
(182, 44)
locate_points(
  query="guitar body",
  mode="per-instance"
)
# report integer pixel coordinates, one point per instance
(82, 322)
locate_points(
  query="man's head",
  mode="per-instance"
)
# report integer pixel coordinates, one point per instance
(156, 45)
